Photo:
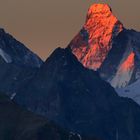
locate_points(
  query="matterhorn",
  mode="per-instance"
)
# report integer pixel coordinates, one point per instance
(105, 45)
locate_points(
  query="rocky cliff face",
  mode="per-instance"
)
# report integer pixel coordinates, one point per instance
(12, 51)
(105, 45)
(76, 98)
(17, 64)
(121, 67)
(92, 44)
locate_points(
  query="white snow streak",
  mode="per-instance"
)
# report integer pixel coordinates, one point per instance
(5, 56)
(12, 96)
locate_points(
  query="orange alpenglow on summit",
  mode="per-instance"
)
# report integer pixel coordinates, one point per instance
(94, 41)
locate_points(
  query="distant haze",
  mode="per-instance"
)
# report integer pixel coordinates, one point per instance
(44, 25)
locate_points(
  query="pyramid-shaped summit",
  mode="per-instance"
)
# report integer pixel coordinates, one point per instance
(99, 8)
(103, 44)
(94, 41)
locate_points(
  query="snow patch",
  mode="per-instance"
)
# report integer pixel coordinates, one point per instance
(132, 91)
(5, 56)
(12, 96)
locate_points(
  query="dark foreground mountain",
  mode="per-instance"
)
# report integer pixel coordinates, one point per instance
(66, 92)
(17, 64)
(19, 124)
(103, 44)
(78, 99)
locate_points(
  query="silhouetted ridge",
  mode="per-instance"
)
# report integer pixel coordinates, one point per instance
(76, 98)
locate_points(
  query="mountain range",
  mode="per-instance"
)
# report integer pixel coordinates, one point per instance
(77, 99)
(86, 91)
(17, 63)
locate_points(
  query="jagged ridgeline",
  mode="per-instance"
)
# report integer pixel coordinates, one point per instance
(103, 44)
(71, 87)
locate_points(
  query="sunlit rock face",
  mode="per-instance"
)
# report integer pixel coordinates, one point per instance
(121, 66)
(125, 71)
(94, 41)
(103, 44)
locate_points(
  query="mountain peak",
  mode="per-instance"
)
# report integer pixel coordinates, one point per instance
(101, 24)
(13, 51)
(98, 8)
(94, 41)
(99, 11)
